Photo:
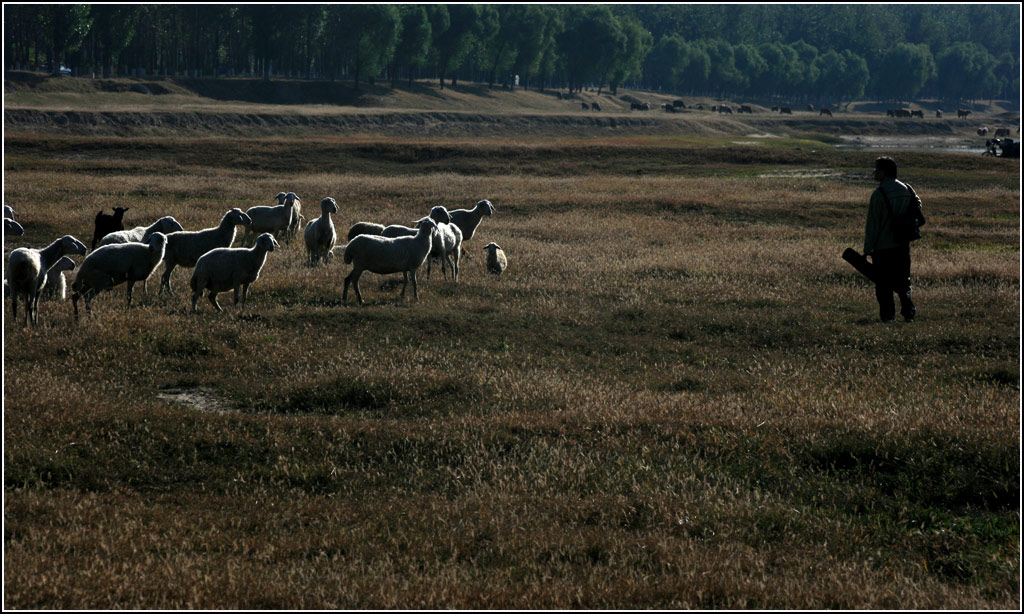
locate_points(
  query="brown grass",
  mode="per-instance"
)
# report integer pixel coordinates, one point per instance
(676, 397)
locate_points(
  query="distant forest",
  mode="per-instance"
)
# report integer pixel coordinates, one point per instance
(826, 52)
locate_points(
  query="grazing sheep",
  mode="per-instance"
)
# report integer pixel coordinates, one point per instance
(55, 288)
(106, 224)
(8, 212)
(496, 260)
(595, 106)
(385, 255)
(446, 245)
(364, 228)
(112, 265)
(27, 268)
(1001, 132)
(292, 200)
(141, 234)
(825, 111)
(227, 268)
(13, 228)
(277, 220)
(320, 234)
(468, 219)
(185, 247)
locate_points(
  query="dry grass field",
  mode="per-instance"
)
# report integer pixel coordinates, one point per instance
(678, 396)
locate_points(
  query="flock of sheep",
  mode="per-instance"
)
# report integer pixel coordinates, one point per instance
(130, 256)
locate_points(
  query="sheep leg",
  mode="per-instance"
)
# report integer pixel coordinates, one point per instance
(195, 298)
(212, 297)
(165, 279)
(405, 282)
(415, 288)
(131, 285)
(352, 278)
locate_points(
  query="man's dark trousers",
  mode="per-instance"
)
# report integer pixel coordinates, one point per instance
(892, 269)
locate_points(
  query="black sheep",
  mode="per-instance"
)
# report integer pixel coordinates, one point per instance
(106, 224)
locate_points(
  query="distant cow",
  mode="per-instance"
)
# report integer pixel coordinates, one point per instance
(678, 104)
(810, 108)
(1002, 132)
(585, 106)
(902, 113)
(725, 109)
(669, 108)
(962, 113)
(890, 113)
(595, 106)
(645, 106)
(785, 111)
(982, 131)
(917, 113)
(825, 112)
(938, 114)
(744, 108)
(635, 106)
(774, 109)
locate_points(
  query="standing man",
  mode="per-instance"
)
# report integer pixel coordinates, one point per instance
(889, 252)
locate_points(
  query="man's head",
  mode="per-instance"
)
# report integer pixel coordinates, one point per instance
(885, 168)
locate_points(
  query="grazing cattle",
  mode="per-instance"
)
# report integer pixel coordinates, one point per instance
(595, 106)
(962, 113)
(785, 111)
(634, 106)
(774, 109)
(700, 106)
(917, 113)
(982, 131)
(890, 113)
(825, 112)
(678, 104)
(714, 108)
(645, 106)
(1000, 132)
(725, 109)
(902, 113)
(586, 107)
(938, 114)
(745, 109)
(669, 108)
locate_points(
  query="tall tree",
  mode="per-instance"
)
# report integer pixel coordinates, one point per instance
(413, 46)
(591, 41)
(629, 64)
(365, 34)
(66, 27)
(454, 42)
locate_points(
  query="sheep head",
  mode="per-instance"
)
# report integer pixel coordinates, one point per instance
(71, 245)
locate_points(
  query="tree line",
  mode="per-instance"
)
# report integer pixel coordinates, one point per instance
(798, 52)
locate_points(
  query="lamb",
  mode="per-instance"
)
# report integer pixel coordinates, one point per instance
(296, 224)
(106, 224)
(141, 234)
(27, 268)
(13, 228)
(320, 235)
(277, 220)
(496, 261)
(185, 247)
(227, 268)
(446, 245)
(385, 255)
(112, 265)
(55, 288)
(468, 219)
(364, 228)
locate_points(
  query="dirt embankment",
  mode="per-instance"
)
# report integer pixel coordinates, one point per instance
(164, 106)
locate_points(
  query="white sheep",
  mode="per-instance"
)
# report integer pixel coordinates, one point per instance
(364, 228)
(320, 235)
(386, 255)
(185, 247)
(228, 268)
(8, 212)
(468, 219)
(446, 246)
(111, 265)
(277, 220)
(296, 223)
(141, 234)
(27, 268)
(496, 260)
(55, 288)
(12, 228)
